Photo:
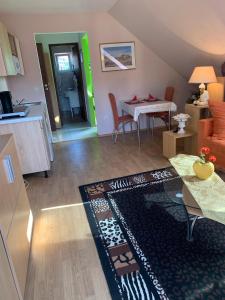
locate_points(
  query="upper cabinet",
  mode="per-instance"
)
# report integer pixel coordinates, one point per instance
(10, 55)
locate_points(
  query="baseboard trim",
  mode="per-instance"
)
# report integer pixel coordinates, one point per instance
(143, 129)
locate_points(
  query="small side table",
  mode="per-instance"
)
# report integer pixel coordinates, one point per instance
(170, 141)
(197, 113)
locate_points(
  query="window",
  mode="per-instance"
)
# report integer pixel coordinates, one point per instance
(63, 62)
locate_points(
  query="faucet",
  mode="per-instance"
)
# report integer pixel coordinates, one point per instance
(19, 102)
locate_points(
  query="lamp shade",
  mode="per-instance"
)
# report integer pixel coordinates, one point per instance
(203, 75)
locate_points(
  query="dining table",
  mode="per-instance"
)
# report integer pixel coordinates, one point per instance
(138, 107)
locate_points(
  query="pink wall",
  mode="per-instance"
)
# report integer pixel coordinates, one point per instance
(152, 73)
(180, 34)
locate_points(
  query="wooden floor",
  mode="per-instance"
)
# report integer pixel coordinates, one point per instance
(64, 263)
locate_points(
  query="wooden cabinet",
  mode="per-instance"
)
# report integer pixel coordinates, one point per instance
(171, 143)
(10, 182)
(8, 289)
(15, 214)
(197, 113)
(31, 143)
(18, 239)
(6, 51)
(10, 55)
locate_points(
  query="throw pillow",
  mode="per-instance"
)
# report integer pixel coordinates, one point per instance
(218, 113)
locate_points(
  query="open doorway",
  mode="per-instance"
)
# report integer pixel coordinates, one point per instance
(68, 83)
(68, 77)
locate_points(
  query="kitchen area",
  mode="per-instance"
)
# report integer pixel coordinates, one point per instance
(25, 148)
(28, 122)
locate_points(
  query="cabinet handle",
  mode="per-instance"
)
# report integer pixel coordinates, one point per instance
(9, 170)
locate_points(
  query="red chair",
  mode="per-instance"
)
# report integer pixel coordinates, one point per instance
(118, 120)
(164, 115)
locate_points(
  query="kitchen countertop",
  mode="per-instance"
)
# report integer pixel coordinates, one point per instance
(35, 113)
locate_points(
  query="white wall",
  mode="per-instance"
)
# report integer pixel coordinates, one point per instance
(183, 33)
(151, 75)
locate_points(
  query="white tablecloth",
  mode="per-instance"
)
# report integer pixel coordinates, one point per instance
(147, 107)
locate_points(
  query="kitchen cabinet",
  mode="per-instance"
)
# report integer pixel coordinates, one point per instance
(33, 139)
(8, 288)
(18, 240)
(15, 214)
(31, 144)
(10, 55)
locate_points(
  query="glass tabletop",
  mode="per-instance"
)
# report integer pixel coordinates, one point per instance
(173, 197)
(174, 192)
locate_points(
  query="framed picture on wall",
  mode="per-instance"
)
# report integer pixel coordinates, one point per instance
(117, 56)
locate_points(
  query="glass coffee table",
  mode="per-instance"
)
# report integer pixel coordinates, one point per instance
(175, 199)
(187, 198)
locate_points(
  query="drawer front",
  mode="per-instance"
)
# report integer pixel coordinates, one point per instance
(12, 169)
(7, 203)
(10, 184)
(18, 240)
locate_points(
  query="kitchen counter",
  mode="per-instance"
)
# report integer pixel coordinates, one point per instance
(35, 113)
(33, 138)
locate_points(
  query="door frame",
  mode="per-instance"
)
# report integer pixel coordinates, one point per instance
(75, 44)
(45, 81)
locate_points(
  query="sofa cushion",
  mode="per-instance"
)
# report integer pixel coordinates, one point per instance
(218, 113)
(216, 145)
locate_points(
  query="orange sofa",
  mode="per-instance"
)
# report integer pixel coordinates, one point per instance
(205, 138)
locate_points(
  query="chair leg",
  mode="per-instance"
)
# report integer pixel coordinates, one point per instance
(113, 134)
(131, 126)
(123, 125)
(115, 138)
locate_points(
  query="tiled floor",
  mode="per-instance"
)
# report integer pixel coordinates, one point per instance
(74, 131)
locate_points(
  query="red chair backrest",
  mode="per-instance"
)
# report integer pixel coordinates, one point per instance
(169, 92)
(112, 100)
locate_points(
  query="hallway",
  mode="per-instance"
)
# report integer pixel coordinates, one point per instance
(74, 131)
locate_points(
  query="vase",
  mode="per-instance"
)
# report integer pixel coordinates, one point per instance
(203, 170)
(181, 126)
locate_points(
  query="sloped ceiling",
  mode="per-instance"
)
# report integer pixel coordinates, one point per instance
(55, 6)
(183, 33)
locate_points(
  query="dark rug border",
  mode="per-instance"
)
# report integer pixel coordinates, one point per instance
(127, 176)
(103, 258)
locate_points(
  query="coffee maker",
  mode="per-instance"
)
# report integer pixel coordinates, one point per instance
(6, 106)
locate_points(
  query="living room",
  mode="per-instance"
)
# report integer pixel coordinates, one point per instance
(136, 212)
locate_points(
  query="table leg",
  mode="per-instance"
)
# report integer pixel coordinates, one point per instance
(169, 119)
(123, 123)
(138, 132)
(148, 123)
(190, 227)
(153, 125)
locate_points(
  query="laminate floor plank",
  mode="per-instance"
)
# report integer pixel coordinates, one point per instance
(64, 263)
